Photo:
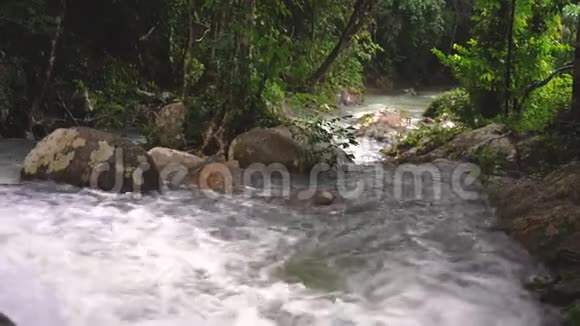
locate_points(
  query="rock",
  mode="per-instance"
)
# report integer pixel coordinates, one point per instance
(5, 321)
(491, 142)
(349, 98)
(562, 293)
(384, 126)
(164, 157)
(544, 215)
(221, 177)
(170, 124)
(267, 146)
(318, 200)
(85, 157)
(175, 167)
(323, 198)
(386, 117)
(536, 212)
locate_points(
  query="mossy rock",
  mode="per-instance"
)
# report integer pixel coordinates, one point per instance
(86, 157)
(491, 145)
(313, 272)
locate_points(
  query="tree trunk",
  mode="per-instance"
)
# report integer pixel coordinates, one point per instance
(362, 9)
(576, 91)
(235, 77)
(34, 114)
(188, 49)
(245, 46)
(509, 59)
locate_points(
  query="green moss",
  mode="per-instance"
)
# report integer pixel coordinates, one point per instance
(429, 137)
(488, 161)
(544, 105)
(312, 272)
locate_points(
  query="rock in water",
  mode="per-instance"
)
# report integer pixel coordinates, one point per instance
(170, 125)
(5, 321)
(267, 146)
(175, 167)
(85, 157)
(492, 144)
(221, 177)
(323, 198)
(164, 157)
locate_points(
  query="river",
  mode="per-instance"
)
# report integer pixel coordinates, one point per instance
(85, 258)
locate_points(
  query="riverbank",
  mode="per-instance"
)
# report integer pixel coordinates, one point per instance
(537, 202)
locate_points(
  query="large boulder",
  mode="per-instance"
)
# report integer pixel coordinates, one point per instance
(170, 123)
(164, 157)
(490, 145)
(268, 146)
(85, 157)
(537, 212)
(544, 215)
(386, 126)
(175, 167)
(221, 177)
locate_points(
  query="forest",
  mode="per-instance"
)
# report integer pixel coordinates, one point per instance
(493, 85)
(233, 62)
(236, 63)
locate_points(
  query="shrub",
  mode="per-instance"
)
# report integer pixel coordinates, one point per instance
(455, 105)
(428, 138)
(572, 315)
(545, 104)
(324, 139)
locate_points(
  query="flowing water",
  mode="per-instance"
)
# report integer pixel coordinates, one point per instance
(87, 258)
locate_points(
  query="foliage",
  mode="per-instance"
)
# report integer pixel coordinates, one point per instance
(546, 104)
(325, 140)
(572, 315)
(406, 31)
(307, 104)
(487, 160)
(116, 97)
(349, 69)
(455, 105)
(233, 61)
(570, 16)
(480, 66)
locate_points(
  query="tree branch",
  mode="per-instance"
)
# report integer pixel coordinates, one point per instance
(542, 83)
